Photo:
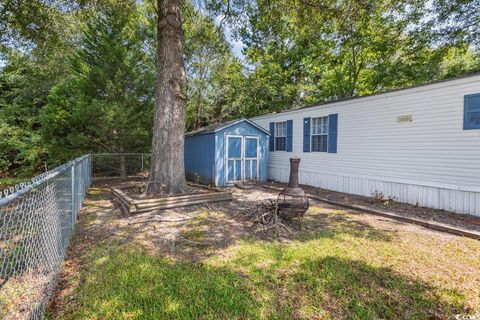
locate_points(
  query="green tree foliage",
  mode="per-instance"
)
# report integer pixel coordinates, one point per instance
(24, 23)
(456, 21)
(308, 51)
(459, 61)
(78, 76)
(36, 37)
(213, 73)
(89, 85)
(24, 85)
(105, 104)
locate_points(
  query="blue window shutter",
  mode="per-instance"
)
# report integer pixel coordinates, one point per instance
(332, 132)
(306, 134)
(471, 112)
(289, 135)
(272, 136)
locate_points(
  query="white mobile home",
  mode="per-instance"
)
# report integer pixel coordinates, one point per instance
(420, 145)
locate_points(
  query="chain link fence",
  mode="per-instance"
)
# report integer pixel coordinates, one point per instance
(36, 222)
(123, 166)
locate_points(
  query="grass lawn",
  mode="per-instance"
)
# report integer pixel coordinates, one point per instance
(345, 265)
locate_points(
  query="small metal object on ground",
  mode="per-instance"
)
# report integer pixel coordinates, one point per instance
(130, 206)
(292, 201)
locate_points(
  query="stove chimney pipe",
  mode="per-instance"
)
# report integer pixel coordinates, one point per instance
(293, 180)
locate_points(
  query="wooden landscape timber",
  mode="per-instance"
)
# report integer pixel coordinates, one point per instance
(130, 206)
(198, 185)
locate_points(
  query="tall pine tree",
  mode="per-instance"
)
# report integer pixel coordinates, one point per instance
(106, 104)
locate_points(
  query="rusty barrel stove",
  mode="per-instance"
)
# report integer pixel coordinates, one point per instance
(292, 201)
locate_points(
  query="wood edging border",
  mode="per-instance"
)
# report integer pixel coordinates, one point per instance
(427, 224)
(130, 206)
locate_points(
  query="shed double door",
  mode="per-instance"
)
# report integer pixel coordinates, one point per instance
(242, 161)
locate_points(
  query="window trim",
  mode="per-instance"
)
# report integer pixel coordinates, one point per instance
(319, 134)
(466, 125)
(282, 136)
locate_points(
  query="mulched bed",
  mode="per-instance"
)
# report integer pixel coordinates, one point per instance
(465, 221)
(133, 199)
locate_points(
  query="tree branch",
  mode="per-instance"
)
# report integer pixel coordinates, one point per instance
(152, 2)
(227, 13)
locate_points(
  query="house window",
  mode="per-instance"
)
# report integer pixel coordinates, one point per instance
(281, 136)
(472, 112)
(319, 134)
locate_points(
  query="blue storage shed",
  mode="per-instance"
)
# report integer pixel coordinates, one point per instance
(225, 153)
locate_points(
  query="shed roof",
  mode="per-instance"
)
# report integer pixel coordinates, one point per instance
(220, 126)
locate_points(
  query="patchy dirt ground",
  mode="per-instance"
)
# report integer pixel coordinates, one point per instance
(198, 232)
(465, 221)
(213, 227)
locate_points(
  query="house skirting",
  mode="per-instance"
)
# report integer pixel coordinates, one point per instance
(430, 196)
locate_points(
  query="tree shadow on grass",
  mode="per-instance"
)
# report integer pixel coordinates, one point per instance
(334, 224)
(301, 281)
(355, 290)
(127, 283)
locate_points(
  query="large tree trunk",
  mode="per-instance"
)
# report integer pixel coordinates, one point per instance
(167, 171)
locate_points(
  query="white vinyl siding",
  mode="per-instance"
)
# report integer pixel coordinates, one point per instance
(430, 160)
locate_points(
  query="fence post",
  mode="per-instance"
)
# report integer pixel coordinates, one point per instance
(143, 173)
(72, 171)
(34, 223)
(90, 173)
(90, 169)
